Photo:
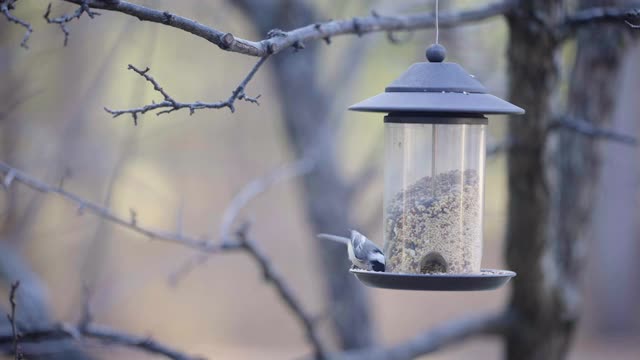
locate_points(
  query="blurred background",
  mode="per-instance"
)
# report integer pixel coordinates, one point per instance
(181, 171)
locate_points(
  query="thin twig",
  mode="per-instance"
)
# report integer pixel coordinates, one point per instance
(5, 7)
(64, 19)
(12, 320)
(587, 129)
(169, 104)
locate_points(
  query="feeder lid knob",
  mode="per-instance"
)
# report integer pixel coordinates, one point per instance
(436, 53)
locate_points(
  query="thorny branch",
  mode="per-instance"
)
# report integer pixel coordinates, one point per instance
(12, 321)
(64, 19)
(169, 104)
(584, 128)
(5, 7)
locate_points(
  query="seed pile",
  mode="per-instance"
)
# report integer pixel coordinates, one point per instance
(435, 226)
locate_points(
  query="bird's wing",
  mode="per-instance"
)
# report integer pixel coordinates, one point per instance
(359, 242)
(370, 247)
(335, 238)
(373, 252)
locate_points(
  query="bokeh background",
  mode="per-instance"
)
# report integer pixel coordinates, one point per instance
(181, 171)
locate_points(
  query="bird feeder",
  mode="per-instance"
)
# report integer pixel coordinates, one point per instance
(435, 148)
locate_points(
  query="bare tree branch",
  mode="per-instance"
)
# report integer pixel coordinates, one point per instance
(280, 40)
(204, 245)
(31, 310)
(169, 104)
(143, 343)
(598, 15)
(248, 193)
(274, 43)
(241, 242)
(239, 201)
(297, 37)
(97, 332)
(5, 7)
(432, 340)
(259, 186)
(584, 128)
(64, 19)
(284, 291)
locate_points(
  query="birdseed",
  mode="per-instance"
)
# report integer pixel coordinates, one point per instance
(435, 226)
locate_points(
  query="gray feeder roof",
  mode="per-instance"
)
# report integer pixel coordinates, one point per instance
(436, 87)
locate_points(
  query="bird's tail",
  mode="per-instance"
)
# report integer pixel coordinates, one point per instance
(335, 238)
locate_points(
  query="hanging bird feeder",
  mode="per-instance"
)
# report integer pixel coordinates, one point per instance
(434, 178)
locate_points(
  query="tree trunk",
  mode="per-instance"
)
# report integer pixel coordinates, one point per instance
(306, 108)
(595, 85)
(541, 332)
(551, 192)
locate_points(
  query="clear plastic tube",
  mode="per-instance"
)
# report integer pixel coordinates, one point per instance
(434, 197)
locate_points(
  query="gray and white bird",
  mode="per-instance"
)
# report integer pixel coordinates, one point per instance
(363, 253)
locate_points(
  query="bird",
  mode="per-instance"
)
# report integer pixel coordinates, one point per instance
(363, 253)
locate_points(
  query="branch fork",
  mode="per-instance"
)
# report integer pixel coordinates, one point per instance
(66, 18)
(5, 7)
(169, 104)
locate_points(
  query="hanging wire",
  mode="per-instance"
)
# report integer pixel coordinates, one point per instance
(437, 25)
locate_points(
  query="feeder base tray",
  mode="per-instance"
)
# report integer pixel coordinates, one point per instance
(487, 279)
